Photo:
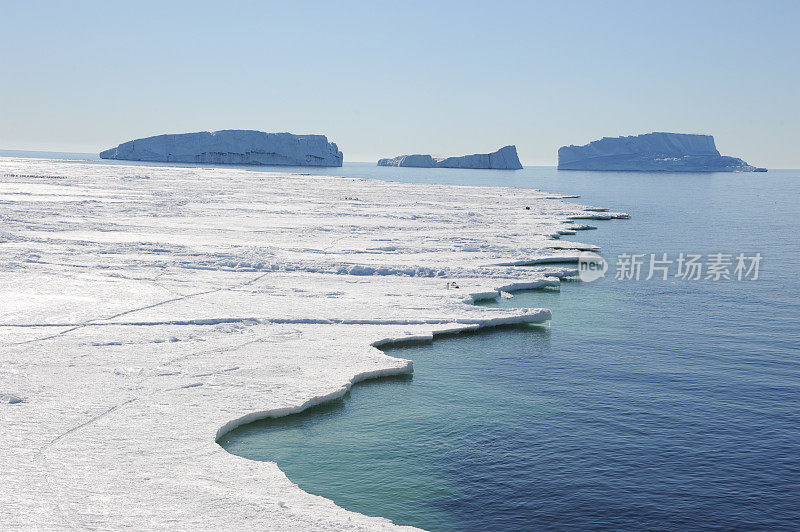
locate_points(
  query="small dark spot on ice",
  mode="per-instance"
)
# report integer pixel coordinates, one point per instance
(10, 399)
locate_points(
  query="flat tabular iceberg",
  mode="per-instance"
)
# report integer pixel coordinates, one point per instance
(652, 152)
(231, 146)
(503, 159)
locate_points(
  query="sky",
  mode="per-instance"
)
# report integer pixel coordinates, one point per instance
(387, 78)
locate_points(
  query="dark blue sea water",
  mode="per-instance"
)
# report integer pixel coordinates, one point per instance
(665, 405)
(660, 405)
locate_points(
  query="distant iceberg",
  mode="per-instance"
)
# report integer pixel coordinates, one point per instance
(503, 159)
(231, 146)
(652, 152)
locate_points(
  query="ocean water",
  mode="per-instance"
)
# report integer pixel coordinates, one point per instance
(663, 405)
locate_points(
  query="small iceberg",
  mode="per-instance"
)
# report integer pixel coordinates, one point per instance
(503, 159)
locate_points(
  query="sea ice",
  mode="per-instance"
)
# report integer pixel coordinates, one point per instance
(143, 318)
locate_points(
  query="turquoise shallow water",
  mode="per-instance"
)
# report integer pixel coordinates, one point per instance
(665, 405)
(648, 404)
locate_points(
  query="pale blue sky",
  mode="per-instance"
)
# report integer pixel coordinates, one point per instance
(385, 78)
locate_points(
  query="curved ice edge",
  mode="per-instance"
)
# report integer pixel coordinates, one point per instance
(599, 215)
(516, 287)
(526, 316)
(538, 315)
(407, 367)
(550, 259)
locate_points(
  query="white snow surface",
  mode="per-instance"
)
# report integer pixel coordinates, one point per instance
(148, 310)
(231, 146)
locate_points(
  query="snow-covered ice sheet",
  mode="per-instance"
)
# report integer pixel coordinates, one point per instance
(142, 318)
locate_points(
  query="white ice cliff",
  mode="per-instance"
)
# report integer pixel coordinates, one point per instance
(231, 146)
(503, 159)
(652, 152)
(147, 310)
